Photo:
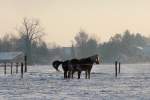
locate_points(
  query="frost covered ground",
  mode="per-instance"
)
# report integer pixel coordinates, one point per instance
(44, 83)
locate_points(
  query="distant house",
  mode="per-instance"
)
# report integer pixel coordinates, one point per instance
(14, 57)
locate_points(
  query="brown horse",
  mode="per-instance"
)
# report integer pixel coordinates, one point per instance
(84, 64)
(77, 65)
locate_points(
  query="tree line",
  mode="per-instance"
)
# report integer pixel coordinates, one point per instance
(125, 46)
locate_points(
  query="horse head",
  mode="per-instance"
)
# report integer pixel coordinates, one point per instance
(95, 58)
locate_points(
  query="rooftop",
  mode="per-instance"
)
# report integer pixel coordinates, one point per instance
(11, 56)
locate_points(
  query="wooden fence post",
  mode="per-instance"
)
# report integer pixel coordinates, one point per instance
(5, 68)
(11, 67)
(119, 67)
(21, 70)
(16, 67)
(116, 68)
(25, 63)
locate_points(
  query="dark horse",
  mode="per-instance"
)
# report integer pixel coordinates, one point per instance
(86, 64)
(77, 65)
(67, 66)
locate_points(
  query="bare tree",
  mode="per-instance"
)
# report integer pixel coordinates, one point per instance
(30, 30)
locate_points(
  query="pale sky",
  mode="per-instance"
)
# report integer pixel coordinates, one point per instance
(62, 19)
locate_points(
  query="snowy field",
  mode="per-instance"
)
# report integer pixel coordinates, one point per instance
(44, 83)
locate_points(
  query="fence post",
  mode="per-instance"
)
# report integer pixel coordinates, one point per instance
(5, 68)
(25, 63)
(16, 67)
(21, 70)
(11, 67)
(116, 68)
(119, 67)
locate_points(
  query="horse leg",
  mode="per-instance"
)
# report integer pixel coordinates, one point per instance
(65, 74)
(79, 73)
(86, 74)
(89, 71)
(68, 76)
(72, 74)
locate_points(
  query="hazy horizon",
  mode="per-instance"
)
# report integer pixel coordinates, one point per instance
(61, 20)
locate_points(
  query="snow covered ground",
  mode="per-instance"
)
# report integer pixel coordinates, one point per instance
(44, 83)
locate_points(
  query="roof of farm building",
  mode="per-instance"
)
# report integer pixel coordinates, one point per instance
(11, 57)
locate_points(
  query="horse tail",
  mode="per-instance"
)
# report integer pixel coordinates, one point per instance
(56, 64)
